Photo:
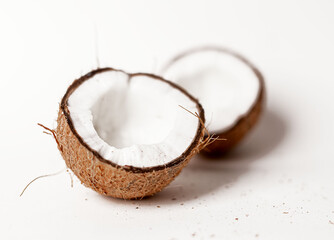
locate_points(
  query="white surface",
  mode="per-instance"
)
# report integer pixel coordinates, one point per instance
(135, 122)
(226, 86)
(285, 165)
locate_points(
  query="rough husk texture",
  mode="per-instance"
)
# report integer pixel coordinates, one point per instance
(108, 178)
(105, 178)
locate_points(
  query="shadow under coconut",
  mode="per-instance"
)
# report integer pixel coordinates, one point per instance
(204, 175)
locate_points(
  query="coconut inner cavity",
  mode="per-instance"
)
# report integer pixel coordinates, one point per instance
(133, 121)
(225, 85)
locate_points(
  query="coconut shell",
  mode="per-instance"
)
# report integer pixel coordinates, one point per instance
(228, 139)
(106, 177)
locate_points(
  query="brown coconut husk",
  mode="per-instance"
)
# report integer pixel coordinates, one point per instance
(106, 177)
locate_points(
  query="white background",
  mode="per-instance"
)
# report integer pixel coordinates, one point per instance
(279, 184)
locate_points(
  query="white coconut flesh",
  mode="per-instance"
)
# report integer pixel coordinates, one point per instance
(133, 121)
(226, 86)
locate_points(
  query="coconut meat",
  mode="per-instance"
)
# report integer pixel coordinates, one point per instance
(133, 121)
(225, 85)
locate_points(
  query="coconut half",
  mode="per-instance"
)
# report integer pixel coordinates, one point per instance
(125, 135)
(230, 88)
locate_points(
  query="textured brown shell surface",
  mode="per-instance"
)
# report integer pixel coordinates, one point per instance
(229, 139)
(105, 178)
